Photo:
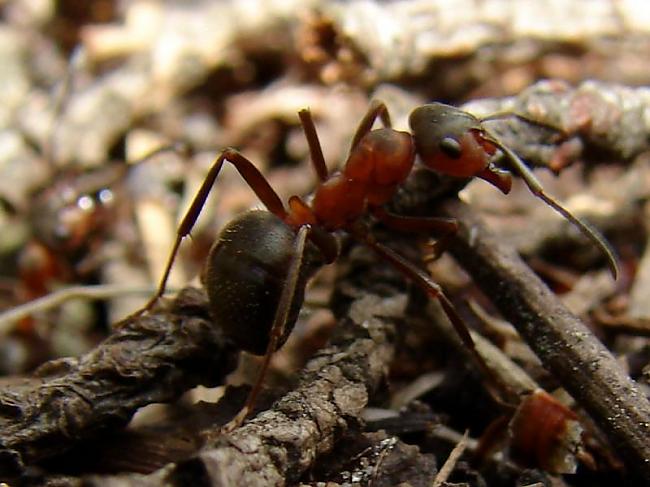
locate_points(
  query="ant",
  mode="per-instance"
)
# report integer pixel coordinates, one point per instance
(257, 269)
(71, 213)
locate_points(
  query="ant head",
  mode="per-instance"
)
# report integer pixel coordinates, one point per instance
(449, 140)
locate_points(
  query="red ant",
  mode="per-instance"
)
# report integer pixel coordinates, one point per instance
(258, 268)
(69, 214)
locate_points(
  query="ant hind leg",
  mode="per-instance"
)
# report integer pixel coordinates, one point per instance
(253, 177)
(377, 109)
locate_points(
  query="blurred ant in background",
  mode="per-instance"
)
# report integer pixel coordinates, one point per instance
(68, 217)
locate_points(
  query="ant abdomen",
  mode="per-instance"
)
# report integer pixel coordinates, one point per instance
(244, 276)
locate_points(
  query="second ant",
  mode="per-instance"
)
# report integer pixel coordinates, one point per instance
(257, 269)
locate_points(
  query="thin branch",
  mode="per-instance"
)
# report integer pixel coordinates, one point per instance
(565, 346)
(9, 318)
(452, 459)
(147, 359)
(281, 443)
(585, 368)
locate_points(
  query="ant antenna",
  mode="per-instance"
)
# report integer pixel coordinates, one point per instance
(524, 118)
(76, 60)
(535, 187)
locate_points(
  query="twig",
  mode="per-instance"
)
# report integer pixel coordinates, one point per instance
(607, 118)
(279, 444)
(152, 358)
(449, 465)
(102, 291)
(565, 346)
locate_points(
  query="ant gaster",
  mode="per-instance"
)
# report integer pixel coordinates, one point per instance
(257, 269)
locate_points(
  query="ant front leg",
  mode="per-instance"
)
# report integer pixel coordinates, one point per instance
(446, 228)
(416, 224)
(253, 178)
(377, 109)
(277, 328)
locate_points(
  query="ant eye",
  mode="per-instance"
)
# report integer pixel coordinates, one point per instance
(450, 147)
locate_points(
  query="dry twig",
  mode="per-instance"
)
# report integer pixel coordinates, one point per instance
(449, 465)
(153, 358)
(278, 445)
(581, 363)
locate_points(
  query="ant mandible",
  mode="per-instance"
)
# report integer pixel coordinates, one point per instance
(257, 269)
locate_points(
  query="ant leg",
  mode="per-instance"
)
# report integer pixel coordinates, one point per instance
(315, 150)
(428, 285)
(377, 109)
(433, 289)
(277, 328)
(535, 187)
(255, 180)
(445, 227)
(74, 63)
(416, 224)
(301, 214)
